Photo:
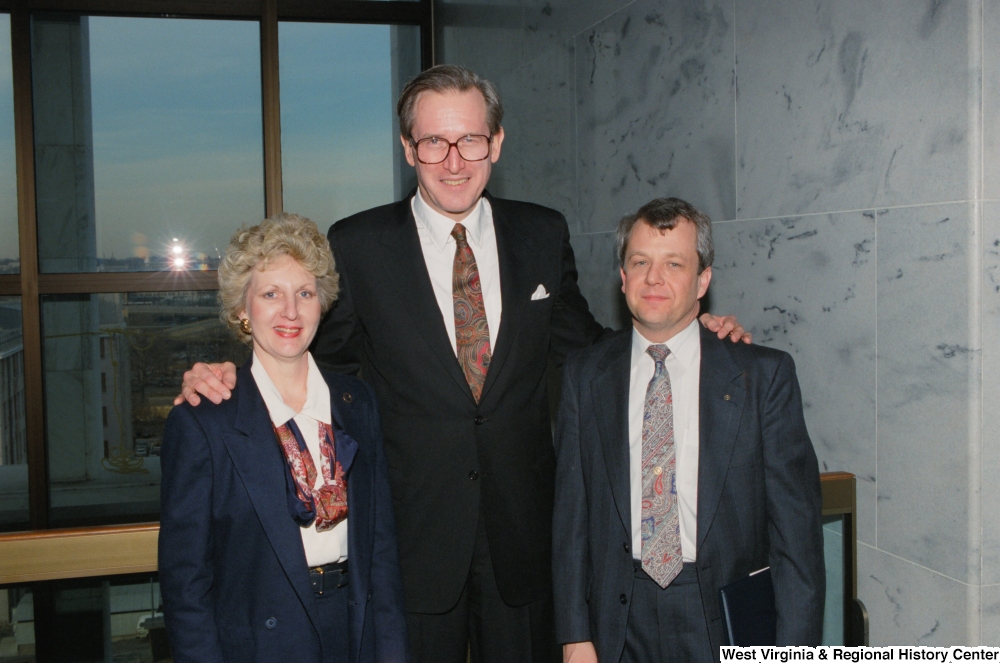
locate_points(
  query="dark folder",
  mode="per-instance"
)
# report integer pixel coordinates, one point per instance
(748, 612)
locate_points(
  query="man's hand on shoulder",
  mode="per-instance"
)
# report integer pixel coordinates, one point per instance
(579, 652)
(726, 325)
(213, 381)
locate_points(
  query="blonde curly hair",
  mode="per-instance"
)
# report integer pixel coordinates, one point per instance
(255, 247)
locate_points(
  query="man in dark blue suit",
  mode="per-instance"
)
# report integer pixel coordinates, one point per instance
(683, 465)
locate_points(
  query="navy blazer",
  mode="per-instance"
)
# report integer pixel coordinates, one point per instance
(233, 571)
(759, 501)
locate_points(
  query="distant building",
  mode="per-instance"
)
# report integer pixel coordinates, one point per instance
(13, 440)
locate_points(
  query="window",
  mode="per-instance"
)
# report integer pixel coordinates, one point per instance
(9, 260)
(151, 138)
(68, 620)
(339, 135)
(104, 445)
(148, 139)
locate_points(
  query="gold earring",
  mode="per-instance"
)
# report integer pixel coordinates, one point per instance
(245, 325)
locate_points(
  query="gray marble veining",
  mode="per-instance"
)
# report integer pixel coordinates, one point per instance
(991, 392)
(655, 100)
(852, 104)
(910, 605)
(548, 23)
(807, 285)
(991, 99)
(990, 625)
(927, 377)
(600, 279)
(537, 161)
(485, 35)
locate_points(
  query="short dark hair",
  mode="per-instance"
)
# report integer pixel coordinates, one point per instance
(447, 78)
(665, 214)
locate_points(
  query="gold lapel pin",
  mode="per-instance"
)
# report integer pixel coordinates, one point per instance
(726, 397)
(348, 398)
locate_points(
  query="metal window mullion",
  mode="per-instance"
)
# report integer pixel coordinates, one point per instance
(271, 107)
(428, 37)
(24, 150)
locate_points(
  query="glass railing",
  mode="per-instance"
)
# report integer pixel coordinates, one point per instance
(845, 618)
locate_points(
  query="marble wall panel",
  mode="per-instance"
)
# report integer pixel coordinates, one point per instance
(991, 99)
(807, 285)
(549, 23)
(991, 392)
(600, 279)
(853, 104)
(655, 103)
(537, 161)
(485, 35)
(908, 604)
(928, 372)
(990, 616)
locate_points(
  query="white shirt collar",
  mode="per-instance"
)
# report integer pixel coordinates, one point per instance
(439, 226)
(317, 405)
(684, 345)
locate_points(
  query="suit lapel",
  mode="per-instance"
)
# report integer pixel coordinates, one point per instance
(360, 534)
(262, 469)
(510, 247)
(722, 395)
(610, 394)
(408, 272)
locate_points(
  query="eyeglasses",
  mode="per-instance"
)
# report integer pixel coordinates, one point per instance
(434, 149)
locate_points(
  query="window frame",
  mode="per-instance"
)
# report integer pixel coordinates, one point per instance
(31, 285)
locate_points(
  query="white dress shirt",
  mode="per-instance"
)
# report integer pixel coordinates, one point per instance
(683, 364)
(438, 246)
(321, 547)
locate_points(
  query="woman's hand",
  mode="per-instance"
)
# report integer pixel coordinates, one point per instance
(213, 381)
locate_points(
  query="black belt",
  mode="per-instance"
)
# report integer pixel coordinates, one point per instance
(328, 577)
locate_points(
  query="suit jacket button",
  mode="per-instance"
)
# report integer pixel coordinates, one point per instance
(473, 475)
(623, 599)
(272, 622)
(625, 546)
(479, 421)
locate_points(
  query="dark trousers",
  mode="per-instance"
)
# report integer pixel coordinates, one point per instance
(332, 608)
(482, 625)
(667, 625)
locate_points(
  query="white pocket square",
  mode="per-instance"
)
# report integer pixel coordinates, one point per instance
(539, 293)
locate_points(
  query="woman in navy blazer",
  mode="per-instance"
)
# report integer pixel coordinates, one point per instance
(265, 554)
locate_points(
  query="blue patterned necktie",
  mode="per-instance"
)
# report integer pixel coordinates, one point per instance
(661, 534)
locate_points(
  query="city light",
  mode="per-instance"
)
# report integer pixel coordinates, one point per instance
(179, 259)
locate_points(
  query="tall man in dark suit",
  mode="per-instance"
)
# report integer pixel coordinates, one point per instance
(683, 465)
(452, 304)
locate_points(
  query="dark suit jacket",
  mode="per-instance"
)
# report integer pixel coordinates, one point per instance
(446, 453)
(759, 499)
(232, 568)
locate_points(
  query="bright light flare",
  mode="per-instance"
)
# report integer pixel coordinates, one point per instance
(179, 263)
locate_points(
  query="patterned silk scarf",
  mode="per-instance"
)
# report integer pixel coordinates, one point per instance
(326, 505)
